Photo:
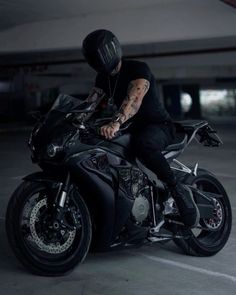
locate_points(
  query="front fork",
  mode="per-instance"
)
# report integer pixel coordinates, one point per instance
(60, 201)
(63, 192)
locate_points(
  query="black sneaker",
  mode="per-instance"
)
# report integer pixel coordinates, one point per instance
(188, 210)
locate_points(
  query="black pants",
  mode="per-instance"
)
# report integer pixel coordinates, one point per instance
(149, 140)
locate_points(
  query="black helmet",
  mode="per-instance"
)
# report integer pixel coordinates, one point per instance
(102, 51)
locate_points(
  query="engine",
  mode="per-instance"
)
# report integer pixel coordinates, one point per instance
(136, 186)
(141, 207)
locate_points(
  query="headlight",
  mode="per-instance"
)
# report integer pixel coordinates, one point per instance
(53, 149)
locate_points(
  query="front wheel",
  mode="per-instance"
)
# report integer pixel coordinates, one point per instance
(215, 231)
(44, 248)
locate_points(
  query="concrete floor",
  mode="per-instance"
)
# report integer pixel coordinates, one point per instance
(154, 269)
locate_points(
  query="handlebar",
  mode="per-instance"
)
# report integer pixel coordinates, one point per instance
(77, 119)
(94, 129)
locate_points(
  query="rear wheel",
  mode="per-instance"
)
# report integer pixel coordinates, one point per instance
(43, 246)
(211, 239)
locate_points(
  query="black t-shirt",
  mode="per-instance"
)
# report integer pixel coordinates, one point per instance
(151, 109)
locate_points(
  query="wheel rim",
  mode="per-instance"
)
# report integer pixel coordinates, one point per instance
(216, 221)
(214, 227)
(39, 236)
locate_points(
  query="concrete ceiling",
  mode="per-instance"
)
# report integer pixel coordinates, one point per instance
(178, 38)
(15, 12)
(36, 26)
(18, 12)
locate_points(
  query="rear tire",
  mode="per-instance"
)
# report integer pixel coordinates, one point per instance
(207, 243)
(63, 250)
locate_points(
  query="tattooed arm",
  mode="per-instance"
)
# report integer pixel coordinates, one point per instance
(95, 96)
(93, 99)
(130, 106)
(136, 92)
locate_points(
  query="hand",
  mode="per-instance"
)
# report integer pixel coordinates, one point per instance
(110, 129)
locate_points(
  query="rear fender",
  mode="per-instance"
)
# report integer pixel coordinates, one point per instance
(207, 136)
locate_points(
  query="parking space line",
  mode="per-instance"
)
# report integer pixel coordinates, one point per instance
(225, 175)
(190, 267)
(17, 177)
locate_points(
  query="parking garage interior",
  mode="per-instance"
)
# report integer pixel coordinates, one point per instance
(190, 47)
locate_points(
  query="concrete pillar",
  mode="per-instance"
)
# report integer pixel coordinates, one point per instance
(171, 97)
(194, 92)
(234, 94)
(16, 103)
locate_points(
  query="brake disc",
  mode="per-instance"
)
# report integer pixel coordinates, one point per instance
(215, 222)
(40, 241)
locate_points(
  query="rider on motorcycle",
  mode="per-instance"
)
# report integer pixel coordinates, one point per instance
(131, 94)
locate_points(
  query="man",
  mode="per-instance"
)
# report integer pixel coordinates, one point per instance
(132, 93)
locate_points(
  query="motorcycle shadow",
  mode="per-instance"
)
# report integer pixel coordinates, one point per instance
(125, 252)
(10, 264)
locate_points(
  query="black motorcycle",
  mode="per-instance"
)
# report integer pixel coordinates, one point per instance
(93, 194)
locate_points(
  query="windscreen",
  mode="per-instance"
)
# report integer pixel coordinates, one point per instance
(65, 103)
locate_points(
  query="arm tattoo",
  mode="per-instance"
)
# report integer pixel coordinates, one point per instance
(94, 98)
(135, 94)
(95, 95)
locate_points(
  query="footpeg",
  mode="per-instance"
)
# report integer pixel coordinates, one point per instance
(156, 229)
(158, 239)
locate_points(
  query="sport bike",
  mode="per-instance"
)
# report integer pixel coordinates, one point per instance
(94, 194)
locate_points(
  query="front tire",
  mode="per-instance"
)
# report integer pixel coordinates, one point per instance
(41, 249)
(211, 241)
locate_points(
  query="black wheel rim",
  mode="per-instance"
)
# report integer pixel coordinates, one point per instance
(211, 235)
(38, 243)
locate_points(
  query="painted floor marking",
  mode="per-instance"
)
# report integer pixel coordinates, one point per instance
(190, 267)
(17, 177)
(225, 175)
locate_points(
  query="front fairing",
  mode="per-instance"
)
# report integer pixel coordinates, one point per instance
(95, 171)
(92, 162)
(55, 129)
